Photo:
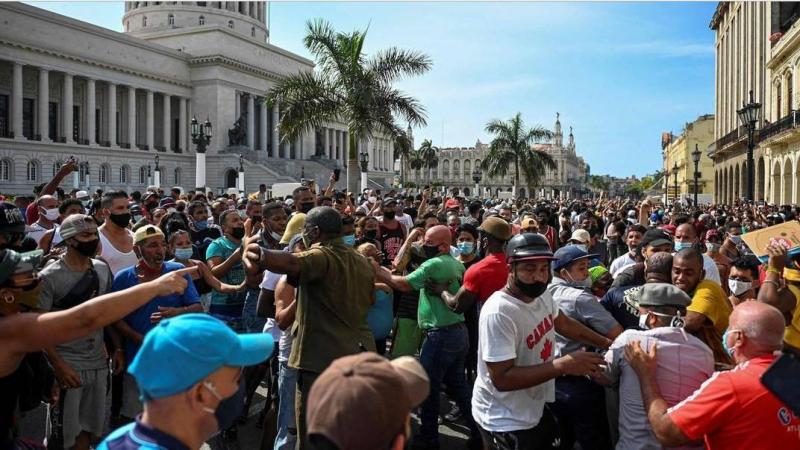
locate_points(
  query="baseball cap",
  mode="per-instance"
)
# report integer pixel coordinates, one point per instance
(597, 272)
(527, 222)
(176, 354)
(663, 294)
(451, 204)
(11, 219)
(496, 227)
(77, 224)
(146, 232)
(567, 255)
(166, 202)
(655, 238)
(388, 201)
(82, 195)
(580, 235)
(365, 392)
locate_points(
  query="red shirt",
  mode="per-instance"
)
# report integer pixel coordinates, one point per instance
(733, 410)
(487, 276)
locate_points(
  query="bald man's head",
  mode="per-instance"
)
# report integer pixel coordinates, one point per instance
(438, 236)
(763, 327)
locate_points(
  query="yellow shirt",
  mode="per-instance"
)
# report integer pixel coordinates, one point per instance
(792, 334)
(710, 300)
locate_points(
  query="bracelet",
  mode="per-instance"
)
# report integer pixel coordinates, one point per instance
(777, 285)
(771, 269)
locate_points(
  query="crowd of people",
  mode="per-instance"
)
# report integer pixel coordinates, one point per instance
(149, 320)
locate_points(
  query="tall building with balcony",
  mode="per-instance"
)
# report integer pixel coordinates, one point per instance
(115, 101)
(676, 152)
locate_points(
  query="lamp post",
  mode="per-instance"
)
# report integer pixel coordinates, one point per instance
(666, 186)
(83, 171)
(749, 116)
(675, 178)
(241, 175)
(696, 158)
(363, 159)
(149, 174)
(201, 137)
(157, 175)
(477, 176)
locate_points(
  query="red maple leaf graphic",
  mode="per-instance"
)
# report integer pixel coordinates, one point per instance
(547, 350)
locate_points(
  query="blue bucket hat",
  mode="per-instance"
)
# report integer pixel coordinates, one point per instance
(567, 255)
(180, 352)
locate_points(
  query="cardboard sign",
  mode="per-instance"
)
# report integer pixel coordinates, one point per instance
(786, 234)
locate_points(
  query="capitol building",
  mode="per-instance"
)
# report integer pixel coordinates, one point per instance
(457, 165)
(121, 103)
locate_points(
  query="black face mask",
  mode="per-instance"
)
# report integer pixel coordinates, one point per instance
(256, 218)
(389, 215)
(430, 250)
(370, 234)
(237, 233)
(305, 207)
(87, 249)
(532, 290)
(120, 220)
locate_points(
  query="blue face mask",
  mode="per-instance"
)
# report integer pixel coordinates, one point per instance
(466, 247)
(349, 240)
(183, 253)
(201, 224)
(682, 245)
(728, 350)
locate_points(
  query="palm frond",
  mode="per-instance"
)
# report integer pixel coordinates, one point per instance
(391, 64)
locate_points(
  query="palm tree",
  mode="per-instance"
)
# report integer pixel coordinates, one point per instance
(598, 183)
(430, 155)
(402, 150)
(351, 87)
(511, 146)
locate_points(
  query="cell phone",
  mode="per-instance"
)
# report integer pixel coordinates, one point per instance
(781, 379)
(336, 173)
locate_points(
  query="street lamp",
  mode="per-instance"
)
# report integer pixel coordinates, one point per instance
(201, 137)
(675, 178)
(666, 186)
(749, 116)
(477, 176)
(241, 174)
(157, 174)
(696, 158)
(363, 159)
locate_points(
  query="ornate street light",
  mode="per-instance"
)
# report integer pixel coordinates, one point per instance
(201, 137)
(749, 116)
(477, 176)
(675, 178)
(363, 159)
(666, 186)
(241, 174)
(696, 158)
(157, 174)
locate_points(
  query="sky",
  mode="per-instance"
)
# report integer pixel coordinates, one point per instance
(619, 73)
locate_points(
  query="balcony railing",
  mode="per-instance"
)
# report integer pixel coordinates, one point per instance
(785, 123)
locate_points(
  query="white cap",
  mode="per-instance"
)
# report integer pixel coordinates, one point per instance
(81, 195)
(580, 235)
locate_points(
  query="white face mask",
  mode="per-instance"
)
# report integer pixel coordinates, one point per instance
(643, 321)
(738, 287)
(51, 214)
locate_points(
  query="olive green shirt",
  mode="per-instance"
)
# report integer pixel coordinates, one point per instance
(335, 292)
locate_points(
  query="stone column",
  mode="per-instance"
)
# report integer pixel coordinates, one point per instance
(251, 120)
(167, 99)
(112, 114)
(298, 147)
(287, 150)
(276, 151)
(263, 126)
(16, 100)
(237, 106)
(326, 148)
(150, 123)
(91, 104)
(390, 159)
(66, 121)
(44, 105)
(345, 148)
(132, 117)
(182, 125)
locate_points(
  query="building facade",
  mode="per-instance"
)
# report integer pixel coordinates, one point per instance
(456, 166)
(116, 101)
(676, 151)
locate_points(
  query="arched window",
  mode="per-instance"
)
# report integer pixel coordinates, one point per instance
(5, 170)
(467, 169)
(124, 175)
(230, 24)
(456, 169)
(171, 20)
(253, 31)
(446, 169)
(177, 176)
(779, 102)
(201, 20)
(32, 171)
(144, 21)
(103, 174)
(789, 88)
(143, 175)
(56, 167)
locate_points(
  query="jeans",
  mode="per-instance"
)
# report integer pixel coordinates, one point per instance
(286, 438)
(581, 412)
(443, 355)
(252, 323)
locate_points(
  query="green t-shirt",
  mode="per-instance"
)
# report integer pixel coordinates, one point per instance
(433, 312)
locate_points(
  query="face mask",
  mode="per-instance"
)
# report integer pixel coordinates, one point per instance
(256, 219)
(349, 240)
(228, 409)
(305, 207)
(372, 199)
(370, 234)
(582, 247)
(389, 215)
(51, 214)
(137, 218)
(170, 210)
(712, 247)
(643, 321)
(531, 290)
(728, 350)
(183, 253)
(738, 287)
(87, 249)
(585, 283)
(276, 236)
(430, 250)
(682, 245)
(120, 220)
(466, 248)
(242, 213)
(201, 224)
(237, 233)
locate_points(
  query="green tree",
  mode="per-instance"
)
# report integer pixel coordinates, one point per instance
(349, 86)
(429, 154)
(402, 151)
(598, 183)
(511, 149)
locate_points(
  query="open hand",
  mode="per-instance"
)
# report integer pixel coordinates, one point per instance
(642, 362)
(777, 256)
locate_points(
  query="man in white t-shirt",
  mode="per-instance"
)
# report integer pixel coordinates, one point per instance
(516, 347)
(633, 237)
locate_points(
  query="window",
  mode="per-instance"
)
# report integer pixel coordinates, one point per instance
(5, 170)
(28, 118)
(76, 122)
(97, 125)
(789, 83)
(56, 167)
(52, 121)
(32, 171)
(177, 176)
(253, 31)
(143, 175)
(201, 3)
(201, 20)
(446, 169)
(779, 102)
(4, 110)
(124, 175)
(171, 20)
(103, 177)
(144, 21)
(230, 24)
(83, 173)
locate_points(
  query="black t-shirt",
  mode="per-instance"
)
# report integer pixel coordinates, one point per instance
(623, 304)
(632, 276)
(201, 239)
